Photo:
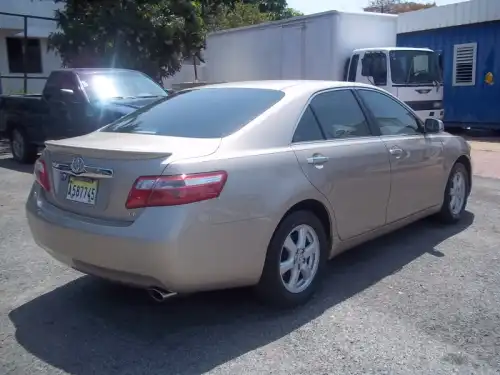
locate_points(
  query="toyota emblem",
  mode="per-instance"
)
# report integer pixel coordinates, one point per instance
(78, 165)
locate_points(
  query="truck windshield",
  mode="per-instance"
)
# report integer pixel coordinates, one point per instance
(119, 85)
(415, 67)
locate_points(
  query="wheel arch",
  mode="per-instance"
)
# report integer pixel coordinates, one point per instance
(465, 160)
(319, 210)
(11, 125)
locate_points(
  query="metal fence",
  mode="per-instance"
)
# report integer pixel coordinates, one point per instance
(25, 75)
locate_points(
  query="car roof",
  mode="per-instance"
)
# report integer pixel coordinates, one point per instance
(286, 85)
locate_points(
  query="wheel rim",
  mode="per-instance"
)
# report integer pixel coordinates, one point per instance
(299, 258)
(17, 143)
(457, 193)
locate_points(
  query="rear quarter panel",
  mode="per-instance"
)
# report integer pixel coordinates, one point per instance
(261, 187)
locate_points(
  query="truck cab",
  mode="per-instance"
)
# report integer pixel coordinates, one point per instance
(414, 75)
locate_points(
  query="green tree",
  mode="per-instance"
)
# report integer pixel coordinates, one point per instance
(290, 13)
(396, 6)
(277, 9)
(152, 36)
(244, 12)
(237, 15)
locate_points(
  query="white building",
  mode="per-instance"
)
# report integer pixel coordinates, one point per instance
(40, 62)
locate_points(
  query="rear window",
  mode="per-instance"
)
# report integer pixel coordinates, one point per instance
(199, 113)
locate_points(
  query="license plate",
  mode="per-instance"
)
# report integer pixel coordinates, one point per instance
(82, 190)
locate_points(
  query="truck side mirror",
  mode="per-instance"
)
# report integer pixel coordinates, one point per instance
(440, 61)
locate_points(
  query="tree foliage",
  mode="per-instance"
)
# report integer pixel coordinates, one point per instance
(241, 13)
(238, 15)
(152, 36)
(147, 35)
(396, 6)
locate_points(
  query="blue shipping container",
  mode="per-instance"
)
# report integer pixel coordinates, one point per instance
(478, 105)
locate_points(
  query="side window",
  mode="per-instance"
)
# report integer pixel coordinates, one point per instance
(52, 81)
(346, 69)
(61, 80)
(374, 65)
(391, 117)
(67, 81)
(308, 129)
(52, 86)
(353, 68)
(340, 115)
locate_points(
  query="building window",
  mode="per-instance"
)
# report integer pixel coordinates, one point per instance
(464, 64)
(33, 55)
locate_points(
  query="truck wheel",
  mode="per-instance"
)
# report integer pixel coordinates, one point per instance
(295, 261)
(22, 150)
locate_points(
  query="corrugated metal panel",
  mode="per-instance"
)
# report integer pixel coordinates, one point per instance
(476, 104)
(466, 13)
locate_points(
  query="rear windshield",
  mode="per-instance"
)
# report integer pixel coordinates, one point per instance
(199, 113)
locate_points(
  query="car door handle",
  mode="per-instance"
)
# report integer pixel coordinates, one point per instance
(396, 151)
(317, 159)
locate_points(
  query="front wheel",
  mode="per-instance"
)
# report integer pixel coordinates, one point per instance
(22, 150)
(456, 195)
(294, 262)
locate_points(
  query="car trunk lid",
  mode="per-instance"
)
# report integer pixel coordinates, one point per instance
(92, 175)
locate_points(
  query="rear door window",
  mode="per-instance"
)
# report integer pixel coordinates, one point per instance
(308, 129)
(340, 115)
(199, 113)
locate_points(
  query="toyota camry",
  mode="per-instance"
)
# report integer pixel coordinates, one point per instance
(244, 184)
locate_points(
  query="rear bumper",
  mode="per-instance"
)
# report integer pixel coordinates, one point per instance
(187, 255)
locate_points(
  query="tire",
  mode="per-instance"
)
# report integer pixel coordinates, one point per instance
(452, 210)
(22, 150)
(271, 288)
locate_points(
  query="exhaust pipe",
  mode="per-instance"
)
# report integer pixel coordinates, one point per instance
(160, 295)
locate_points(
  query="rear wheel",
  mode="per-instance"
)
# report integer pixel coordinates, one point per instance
(294, 262)
(456, 194)
(22, 150)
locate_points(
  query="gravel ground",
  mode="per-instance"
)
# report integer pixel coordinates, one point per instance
(425, 300)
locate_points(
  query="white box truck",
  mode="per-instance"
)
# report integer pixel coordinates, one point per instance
(337, 46)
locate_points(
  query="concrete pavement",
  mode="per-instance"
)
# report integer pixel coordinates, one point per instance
(424, 300)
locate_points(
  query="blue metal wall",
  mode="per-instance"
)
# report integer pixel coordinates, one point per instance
(477, 105)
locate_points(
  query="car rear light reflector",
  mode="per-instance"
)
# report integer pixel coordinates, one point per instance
(151, 191)
(41, 174)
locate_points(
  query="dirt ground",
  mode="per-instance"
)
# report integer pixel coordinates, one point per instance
(486, 163)
(485, 155)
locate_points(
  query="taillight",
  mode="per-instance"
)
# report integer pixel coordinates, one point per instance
(150, 191)
(42, 174)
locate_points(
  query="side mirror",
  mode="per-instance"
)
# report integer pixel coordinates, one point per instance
(433, 125)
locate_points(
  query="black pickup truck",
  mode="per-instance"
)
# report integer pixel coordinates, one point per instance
(73, 102)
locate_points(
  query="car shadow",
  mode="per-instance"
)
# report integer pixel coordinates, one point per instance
(89, 326)
(10, 163)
